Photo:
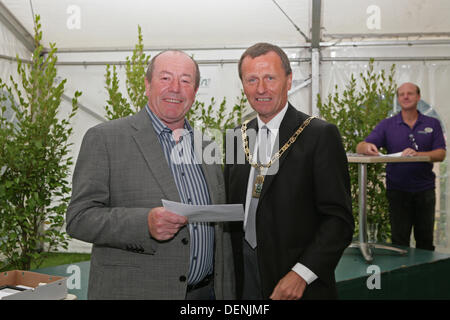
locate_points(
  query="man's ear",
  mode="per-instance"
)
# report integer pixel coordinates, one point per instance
(147, 88)
(289, 81)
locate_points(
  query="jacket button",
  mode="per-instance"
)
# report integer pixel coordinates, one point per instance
(182, 278)
(185, 241)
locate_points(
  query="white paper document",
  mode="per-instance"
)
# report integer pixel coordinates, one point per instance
(398, 154)
(206, 213)
(7, 292)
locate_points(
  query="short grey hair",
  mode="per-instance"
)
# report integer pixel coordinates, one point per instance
(151, 67)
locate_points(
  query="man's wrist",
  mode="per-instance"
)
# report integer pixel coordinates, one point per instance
(305, 273)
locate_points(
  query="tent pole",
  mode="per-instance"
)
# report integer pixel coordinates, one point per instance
(85, 109)
(316, 24)
(315, 83)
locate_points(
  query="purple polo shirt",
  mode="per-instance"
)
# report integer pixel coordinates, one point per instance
(395, 136)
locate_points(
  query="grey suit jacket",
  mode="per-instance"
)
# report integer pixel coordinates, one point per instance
(120, 175)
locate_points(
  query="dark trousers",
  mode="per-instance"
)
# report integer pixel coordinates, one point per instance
(412, 210)
(252, 280)
(203, 293)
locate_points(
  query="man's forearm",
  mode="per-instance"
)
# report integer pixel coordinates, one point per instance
(360, 147)
(435, 155)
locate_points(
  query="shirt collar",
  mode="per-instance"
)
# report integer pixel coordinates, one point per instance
(160, 127)
(274, 124)
(400, 118)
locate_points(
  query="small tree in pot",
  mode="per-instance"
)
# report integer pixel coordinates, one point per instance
(118, 105)
(34, 160)
(356, 112)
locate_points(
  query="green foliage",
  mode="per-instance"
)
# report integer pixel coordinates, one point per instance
(119, 106)
(208, 118)
(215, 122)
(356, 113)
(205, 118)
(34, 160)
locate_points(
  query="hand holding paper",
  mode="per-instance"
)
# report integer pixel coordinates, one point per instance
(163, 225)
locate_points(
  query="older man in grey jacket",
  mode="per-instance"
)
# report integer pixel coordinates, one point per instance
(124, 169)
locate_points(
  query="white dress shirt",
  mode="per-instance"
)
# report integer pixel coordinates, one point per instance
(273, 127)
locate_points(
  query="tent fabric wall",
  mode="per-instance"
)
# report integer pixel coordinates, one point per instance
(165, 23)
(221, 80)
(413, 34)
(10, 47)
(396, 17)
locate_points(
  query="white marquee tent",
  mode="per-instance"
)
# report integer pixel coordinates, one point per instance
(326, 40)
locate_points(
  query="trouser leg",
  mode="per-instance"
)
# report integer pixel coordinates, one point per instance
(400, 214)
(252, 281)
(424, 219)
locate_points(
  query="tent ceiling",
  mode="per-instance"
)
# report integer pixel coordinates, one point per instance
(165, 23)
(349, 17)
(112, 24)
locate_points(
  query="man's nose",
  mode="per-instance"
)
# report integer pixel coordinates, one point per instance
(261, 88)
(175, 85)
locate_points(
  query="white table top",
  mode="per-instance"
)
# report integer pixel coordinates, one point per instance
(361, 158)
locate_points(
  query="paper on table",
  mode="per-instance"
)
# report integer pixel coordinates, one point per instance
(206, 213)
(7, 292)
(398, 154)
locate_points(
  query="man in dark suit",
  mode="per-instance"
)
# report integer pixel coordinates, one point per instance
(298, 215)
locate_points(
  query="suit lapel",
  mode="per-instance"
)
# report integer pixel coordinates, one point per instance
(152, 152)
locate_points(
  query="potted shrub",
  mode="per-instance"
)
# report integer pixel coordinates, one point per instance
(34, 160)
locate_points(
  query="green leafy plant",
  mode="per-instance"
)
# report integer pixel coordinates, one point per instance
(118, 105)
(356, 111)
(208, 119)
(34, 160)
(215, 122)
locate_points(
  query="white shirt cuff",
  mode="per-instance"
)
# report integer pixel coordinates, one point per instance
(305, 273)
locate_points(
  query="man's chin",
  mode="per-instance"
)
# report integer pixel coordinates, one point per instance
(262, 107)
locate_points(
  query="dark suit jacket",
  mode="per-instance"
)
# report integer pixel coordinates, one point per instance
(304, 213)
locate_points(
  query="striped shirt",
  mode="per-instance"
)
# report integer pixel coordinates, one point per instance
(192, 187)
